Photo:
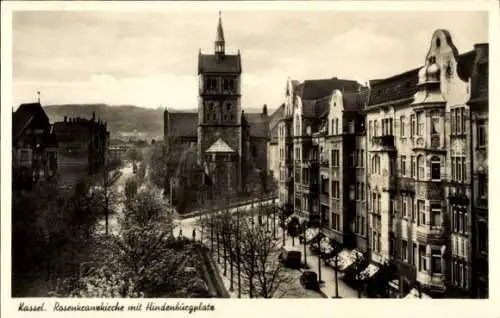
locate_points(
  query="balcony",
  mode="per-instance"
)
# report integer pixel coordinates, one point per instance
(383, 143)
(432, 190)
(324, 198)
(431, 235)
(406, 185)
(435, 283)
(324, 164)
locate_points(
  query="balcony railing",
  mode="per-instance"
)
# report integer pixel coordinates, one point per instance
(383, 143)
(406, 185)
(430, 235)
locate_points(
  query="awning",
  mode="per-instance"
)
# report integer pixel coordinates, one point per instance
(368, 272)
(311, 233)
(346, 258)
(414, 294)
(325, 246)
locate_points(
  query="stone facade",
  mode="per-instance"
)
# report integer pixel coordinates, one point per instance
(82, 147)
(229, 143)
(403, 172)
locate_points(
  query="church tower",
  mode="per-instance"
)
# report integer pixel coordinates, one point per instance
(219, 111)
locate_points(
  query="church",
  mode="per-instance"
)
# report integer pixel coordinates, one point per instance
(222, 142)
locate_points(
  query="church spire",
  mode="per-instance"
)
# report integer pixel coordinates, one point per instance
(219, 40)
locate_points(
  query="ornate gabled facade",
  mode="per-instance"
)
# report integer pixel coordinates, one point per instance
(420, 187)
(229, 143)
(320, 132)
(397, 171)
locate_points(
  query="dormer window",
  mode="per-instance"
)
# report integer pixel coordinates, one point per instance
(438, 43)
(432, 60)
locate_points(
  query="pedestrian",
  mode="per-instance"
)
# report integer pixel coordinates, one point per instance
(180, 233)
(194, 235)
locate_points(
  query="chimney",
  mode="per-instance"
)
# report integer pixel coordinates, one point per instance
(65, 118)
(264, 109)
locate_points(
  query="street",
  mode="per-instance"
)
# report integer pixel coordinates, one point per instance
(327, 273)
(119, 187)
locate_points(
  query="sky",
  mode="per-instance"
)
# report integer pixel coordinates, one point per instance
(149, 59)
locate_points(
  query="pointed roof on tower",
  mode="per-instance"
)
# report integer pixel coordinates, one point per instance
(220, 31)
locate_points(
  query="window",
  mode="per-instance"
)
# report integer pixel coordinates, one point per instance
(350, 127)
(459, 113)
(335, 221)
(458, 168)
(404, 207)
(436, 261)
(402, 126)
(414, 254)
(421, 212)
(482, 131)
(403, 165)
(435, 168)
(228, 84)
(297, 126)
(413, 127)
(413, 172)
(362, 191)
(420, 165)
(350, 160)
(336, 126)
(422, 262)
(436, 215)
(435, 122)
(335, 189)
(404, 250)
(212, 84)
(420, 123)
(376, 164)
(482, 187)
(362, 158)
(335, 158)
(228, 107)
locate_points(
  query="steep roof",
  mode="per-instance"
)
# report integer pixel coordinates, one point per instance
(182, 124)
(220, 146)
(23, 116)
(314, 89)
(404, 85)
(400, 86)
(257, 124)
(210, 63)
(274, 119)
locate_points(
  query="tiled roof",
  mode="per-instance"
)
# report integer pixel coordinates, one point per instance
(257, 123)
(209, 63)
(314, 89)
(220, 146)
(397, 87)
(355, 101)
(182, 124)
(404, 85)
(274, 120)
(23, 116)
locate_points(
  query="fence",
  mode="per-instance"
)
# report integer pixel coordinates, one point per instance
(229, 206)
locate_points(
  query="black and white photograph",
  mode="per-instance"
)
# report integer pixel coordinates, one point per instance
(251, 153)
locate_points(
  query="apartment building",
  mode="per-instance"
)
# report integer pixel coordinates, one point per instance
(421, 145)
(400, 172)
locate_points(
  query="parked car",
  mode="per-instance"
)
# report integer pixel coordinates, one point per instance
(309, 280)
(290, 259)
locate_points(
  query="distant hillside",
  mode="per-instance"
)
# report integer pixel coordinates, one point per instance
(124, 121)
